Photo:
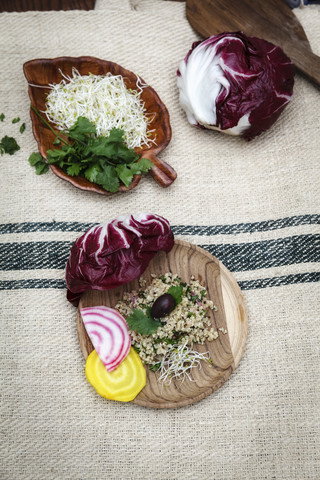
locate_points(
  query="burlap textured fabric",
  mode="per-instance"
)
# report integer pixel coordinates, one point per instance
(254, 205)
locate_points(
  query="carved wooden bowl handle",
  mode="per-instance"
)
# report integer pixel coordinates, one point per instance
(162, 172)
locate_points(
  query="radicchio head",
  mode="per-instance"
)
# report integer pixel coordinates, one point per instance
(235, 83)
(111, 254)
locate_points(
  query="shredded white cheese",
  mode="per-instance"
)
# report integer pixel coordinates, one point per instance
(105, 101)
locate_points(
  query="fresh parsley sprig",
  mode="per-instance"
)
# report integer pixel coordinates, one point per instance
(106, 161)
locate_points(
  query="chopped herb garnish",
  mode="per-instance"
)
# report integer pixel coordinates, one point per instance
(169, 341)
(2, 117)
(8, 145)
(16, 120)
(22, 128)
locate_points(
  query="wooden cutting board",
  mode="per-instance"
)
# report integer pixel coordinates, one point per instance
(271, 20)
(186, 260)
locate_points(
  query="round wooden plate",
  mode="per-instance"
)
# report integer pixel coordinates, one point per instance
(186, 259)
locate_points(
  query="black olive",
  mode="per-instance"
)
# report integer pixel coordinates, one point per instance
(163, 306)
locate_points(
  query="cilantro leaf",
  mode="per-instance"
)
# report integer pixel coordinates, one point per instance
(74, 169)
(42, 168)
(100, 146)
(22, 128)
(142, 323)
(39, 163)
(111, 148)
(116, 135)
(35, 158)
(16, 120)
(81, 129)
(142, 166)
(56, 155)
(176, 291)
(91, 173)
(125, 174)
(108, 179)
(8, 145)
(2, 117)
(125, 154)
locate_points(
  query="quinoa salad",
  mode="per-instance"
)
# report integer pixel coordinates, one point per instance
(187, 324)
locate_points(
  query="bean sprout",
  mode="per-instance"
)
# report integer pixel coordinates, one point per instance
(105, 101)
(178, 361)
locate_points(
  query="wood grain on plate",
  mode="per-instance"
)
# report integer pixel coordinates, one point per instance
(42, 72)
(186, 260)
(271, 20)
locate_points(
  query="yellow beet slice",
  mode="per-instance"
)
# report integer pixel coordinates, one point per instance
(122, 384)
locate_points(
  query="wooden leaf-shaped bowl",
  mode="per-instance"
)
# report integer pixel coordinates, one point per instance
(226, 351)
(42, 72)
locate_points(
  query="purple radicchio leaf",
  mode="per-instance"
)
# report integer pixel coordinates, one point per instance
(235, 83)
(111, 254)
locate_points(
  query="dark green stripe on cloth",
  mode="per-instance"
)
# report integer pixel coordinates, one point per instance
(37, 283)
(205, 230)
(236, 257)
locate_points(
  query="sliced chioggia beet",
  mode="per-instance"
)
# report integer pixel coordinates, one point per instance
(108, 332)
(123, 384)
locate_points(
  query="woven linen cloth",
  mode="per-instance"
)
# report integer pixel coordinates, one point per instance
(254, 205)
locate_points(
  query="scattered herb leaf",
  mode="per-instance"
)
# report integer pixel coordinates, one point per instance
(22, 128)
(2, 117)
(42, 168)
(39, 163)
(142, 322)
(16, 120)
(8, 145)
(35, 158)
